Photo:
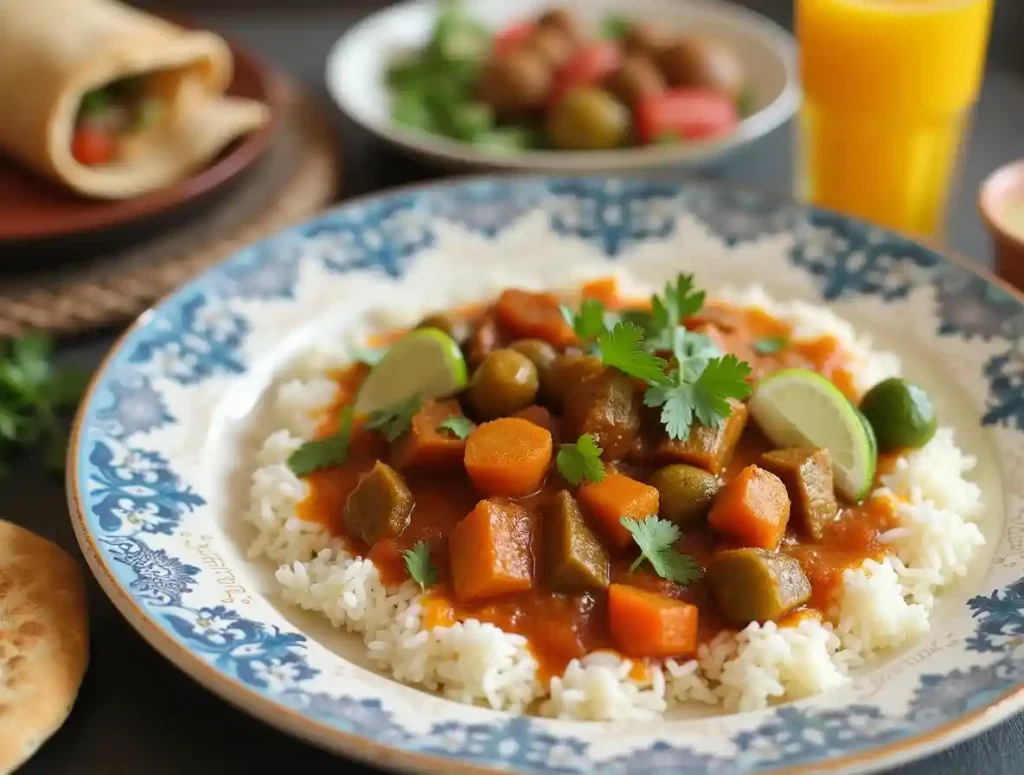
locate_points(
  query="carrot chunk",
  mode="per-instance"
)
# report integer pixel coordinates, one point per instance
(426, 445)
(614, 497)
(489, 552)
(529, 315)
(753, 508)
(437, 612)
(538, 415)
(509, 456)
(646, 624)
(603, 289)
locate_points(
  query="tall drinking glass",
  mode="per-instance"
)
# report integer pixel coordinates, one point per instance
(889, 89)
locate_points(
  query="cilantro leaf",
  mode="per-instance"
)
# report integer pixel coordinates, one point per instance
(615, 27)
(769, 345)
(395, 420)
(692, 352)
(326, 452)
(677, 408)
(460, 427)
(580, 461)
(622, 348)
(656, 539)
(723, 378)
(369, 356)
(417, 562)
(589, 322)
(678, 301)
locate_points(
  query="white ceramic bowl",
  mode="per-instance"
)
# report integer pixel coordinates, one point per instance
(359, 60)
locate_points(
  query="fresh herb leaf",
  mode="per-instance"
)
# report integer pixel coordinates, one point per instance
(326, 452)
(769, 345)
(580, 461)
(589, 322)
(678, 301)
(417, 562)
(723, 378)
(370, 356)
(395, 420)
(623, 349)
(615, 27)
(461, 427)
(656, 539)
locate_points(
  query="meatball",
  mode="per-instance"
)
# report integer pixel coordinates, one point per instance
(563, 20)
(637, 77)
(641, 38)
(552, 44)
(702, 62)
(516, 84)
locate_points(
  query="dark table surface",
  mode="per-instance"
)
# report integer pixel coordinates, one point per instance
(136, 713)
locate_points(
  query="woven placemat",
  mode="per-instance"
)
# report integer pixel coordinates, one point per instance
(296, 178)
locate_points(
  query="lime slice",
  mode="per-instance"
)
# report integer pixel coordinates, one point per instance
(799, 408)
(426, 361)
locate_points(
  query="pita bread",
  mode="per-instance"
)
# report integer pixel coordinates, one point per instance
(54, 51)
(44, 642)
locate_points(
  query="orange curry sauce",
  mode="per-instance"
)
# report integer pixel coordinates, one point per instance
(562, 627)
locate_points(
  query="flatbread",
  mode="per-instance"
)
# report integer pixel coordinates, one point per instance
(54, 51)
(44, 643)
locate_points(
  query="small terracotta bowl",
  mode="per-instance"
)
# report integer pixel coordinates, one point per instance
(1003, 189)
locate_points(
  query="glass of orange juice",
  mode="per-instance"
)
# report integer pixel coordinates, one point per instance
(889, 89)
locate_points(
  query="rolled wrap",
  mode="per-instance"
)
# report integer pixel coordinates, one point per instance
(52, 52)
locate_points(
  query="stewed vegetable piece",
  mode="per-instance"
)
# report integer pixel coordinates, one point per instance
(576, 560)
(566, 372)
(706, 447)
(615, 497)
(490, 551)
(427, 445)
(380, 505)
(685, 493)
(503, 384)
(509, 456)
(606, 406)
(646, 624)
(754, 585)
(752, 509)
(807, 474)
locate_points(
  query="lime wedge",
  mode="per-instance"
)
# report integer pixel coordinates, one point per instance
(798, 408)
(426, 361)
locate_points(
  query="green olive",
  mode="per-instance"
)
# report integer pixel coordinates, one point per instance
(685, 493)
(564, 373)
(542, 353)
(505, 382)
(455, 328)
(588, 119)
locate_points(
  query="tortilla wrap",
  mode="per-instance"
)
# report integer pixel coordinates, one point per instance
(52, 52)
(44, 643)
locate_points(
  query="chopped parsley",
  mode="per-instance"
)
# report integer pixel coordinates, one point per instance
(417, 562)
(395, 420)
(458, 426)
(326, 452)
(656, 539)
(580, 461)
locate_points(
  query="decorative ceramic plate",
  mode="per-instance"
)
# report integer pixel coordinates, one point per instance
(162, 449)
(357, 65)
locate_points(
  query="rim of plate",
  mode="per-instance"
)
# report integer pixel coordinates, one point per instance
(751, 128)
(328, 737)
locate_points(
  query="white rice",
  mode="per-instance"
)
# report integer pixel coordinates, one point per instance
(881, 604)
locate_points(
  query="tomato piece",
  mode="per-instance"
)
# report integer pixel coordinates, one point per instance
(92, 146)
(685, 114)
(591, 64)
(512, 38)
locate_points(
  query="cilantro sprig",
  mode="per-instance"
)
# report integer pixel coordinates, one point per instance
(395, 420)
(32, 396)
(323, 453)
(580, 461)
(458, 426)
(417, 562)
(623, 349)
(656, 539)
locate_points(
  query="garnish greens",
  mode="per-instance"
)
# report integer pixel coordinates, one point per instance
(678, 301)
(623, 349)
(580, 461)
(417, 562)
(615, 27)
(656, 539)
(396, 419)
(369, 356)
(769, 345)
(460, 427)
(32, 394)
(326, 452)
(589, 322)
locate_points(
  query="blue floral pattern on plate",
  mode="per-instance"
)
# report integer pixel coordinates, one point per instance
(142, 509)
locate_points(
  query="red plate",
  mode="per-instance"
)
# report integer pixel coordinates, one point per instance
(34, 208)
